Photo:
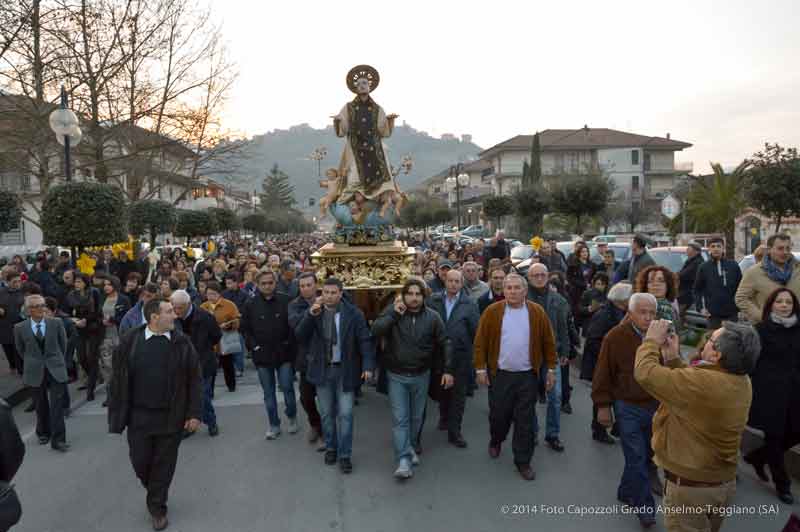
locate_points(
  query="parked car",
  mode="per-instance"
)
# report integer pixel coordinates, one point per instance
(673, 257)
(475, 231)
(749, 261)
(520, 253)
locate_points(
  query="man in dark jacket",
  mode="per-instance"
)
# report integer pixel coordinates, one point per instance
(496, 279)
(716, 285)
(12, 451)
(156, 394)
(204, 333)
(11, 300)
(438, 283)
(460, 316)
(308, 393)
(605, 319)
(640, 259)
(688, 276)
(338, 337)
(414, 336)
(265, 325)
(233, 293)
(557, 310)
(287, 284)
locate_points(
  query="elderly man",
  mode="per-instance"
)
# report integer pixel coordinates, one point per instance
(778, 269)
(439, 283)
(613, 384)
(605, 319)
(274, 263)
(704, 409)
(495, 293)
(474, 287)
(202, 329)
(460, 315)
(42, 342)
(287, 284)
(557, 310)
(514, 341)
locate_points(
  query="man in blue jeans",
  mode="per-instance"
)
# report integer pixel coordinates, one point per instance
(416, 342)
(557, 310)
(338, 339)
(265, 326)
(613, 383)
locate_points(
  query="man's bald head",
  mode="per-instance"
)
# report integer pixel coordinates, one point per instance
(537, 275)
(454, 282)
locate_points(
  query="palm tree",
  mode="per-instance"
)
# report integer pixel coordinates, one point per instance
(716, 200)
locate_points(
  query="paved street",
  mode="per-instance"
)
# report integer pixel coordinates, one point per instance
(240, 482)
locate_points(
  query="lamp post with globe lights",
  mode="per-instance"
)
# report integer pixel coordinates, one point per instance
(318, 155)
(64, 123)
(456, 181)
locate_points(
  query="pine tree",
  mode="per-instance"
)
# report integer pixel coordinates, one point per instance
(277, 192)
(535, 167)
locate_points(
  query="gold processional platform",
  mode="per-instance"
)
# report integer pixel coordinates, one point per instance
(373, 274)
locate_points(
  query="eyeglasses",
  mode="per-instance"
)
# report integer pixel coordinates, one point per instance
(538, 275)
(40, 305)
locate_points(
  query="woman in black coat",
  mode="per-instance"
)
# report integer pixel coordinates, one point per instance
(776, 389)
(87, 314)
(580, 271)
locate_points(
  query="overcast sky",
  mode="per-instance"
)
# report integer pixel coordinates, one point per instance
(722, 75)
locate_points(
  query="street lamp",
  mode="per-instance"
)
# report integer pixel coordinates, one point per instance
(457, 181)
(65, 125)
(469, 216)
(317, 155)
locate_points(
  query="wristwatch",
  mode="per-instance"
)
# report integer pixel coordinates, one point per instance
(551, 370)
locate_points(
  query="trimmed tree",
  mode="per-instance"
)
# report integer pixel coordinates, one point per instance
(10, 212)
(582, 197)
(255, 223)
(84, 214)
(530, 206)
(227, 220)
(153, 217)
(773, 183)
(195, 223)
(497, 207)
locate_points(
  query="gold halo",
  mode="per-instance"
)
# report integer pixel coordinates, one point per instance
(363, 71)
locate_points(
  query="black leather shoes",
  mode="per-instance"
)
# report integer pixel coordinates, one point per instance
(61, 447)
(786, 497)
(603, 437)
(566, 408)
(555, 444)
(213, 431)
(160, 522)
(526, 472)
(457, 440)
(494, 449)
(44, 440)
(346, 466)
(418, 448)
(330, 457)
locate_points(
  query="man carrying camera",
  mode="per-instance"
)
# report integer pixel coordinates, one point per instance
(698, 427)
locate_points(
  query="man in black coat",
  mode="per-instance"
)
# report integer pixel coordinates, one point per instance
(496, 279)
(265, 326)
(156, 394)
(11, 300)
(308, 393)
(688, 275)
(204, 333)
(460, 316)
(715, 288)
(12, 451)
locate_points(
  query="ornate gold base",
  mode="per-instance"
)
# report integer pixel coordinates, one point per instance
(365, 267)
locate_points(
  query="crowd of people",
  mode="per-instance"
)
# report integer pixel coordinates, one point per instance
(156, 332)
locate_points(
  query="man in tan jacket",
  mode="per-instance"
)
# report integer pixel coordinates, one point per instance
(778, 269)
(698, 427)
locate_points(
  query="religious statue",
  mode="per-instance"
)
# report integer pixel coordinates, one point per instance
(362, 195)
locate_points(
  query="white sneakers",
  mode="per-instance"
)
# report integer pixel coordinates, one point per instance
(272, 433)
(293, 426)
(404, 470)
(414, 458)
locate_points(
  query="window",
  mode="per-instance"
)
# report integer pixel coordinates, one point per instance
(25, 183)
(635, 183)
(635, 157)
(437, 190)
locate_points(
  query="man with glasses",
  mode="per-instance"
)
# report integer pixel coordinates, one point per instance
(778, 269)
(265, 325)
(42, 343)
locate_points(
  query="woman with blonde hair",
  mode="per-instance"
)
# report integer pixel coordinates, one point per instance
(227, 316)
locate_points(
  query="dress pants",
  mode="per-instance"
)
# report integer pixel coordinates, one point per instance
(10, 351)
(772, 454)
(511, 399)
(154, 457)
(50, 411)
(226, 361)
(88, 357)
(454, 400)
(566, 387)
(308, 398)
